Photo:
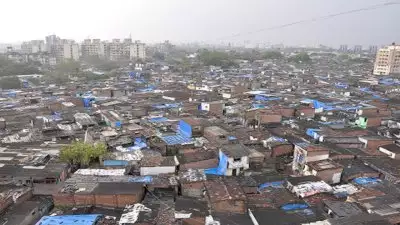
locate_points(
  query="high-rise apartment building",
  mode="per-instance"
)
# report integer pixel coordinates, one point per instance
(92, 48)
(343, 48)
(66, 51)
(358, 49)
(137, 50)
(34, 46)
(116, 49)
(51, 40)
(373, 49)
(387, 60)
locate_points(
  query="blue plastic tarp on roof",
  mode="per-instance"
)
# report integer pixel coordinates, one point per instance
(278, 139)
(167, 105)
(134, 75)
(312, 132)
(222, 166)
(185, 129)
(143, 179)
(366, 180)
(258, 106)
(389, 81)
(231, 138)
(158, 119)
(341, 85)
(294, 206)
(176, 139)
(145, 90)
(113, 162)
(12, 94)
(266, 98)
(88, 219)
(274, 184)
(140, 142)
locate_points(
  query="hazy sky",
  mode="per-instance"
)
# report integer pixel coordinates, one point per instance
(200, 20)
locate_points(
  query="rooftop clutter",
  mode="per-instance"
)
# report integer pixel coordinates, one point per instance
(269, 142)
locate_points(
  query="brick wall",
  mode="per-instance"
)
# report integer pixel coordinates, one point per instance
(327, 175)
(369, 111)
(287, 112)
(374, 122)
(282, 150)
(106, 200)
(305, 112)
(112, 201)
(5, 203)
(271, 118)
(61, 199)
(84, 199)
(194, 221)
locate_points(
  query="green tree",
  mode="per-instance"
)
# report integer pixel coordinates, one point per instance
(56, 77)
(82, 154)
(33, 80)
(68, 67)
(9, 68)
(272, 55)
(101, 64)
(216, 58)
(301, 57)
(10, 83)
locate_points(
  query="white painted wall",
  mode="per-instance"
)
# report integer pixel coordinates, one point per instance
(144, 171)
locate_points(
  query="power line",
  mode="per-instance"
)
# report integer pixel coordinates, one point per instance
(373, 7)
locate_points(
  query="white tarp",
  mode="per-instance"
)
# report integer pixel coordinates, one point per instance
(311, 188)
(101, 172)
(131, 213)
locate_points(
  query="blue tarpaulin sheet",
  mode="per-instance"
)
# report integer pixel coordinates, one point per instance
(222, 165)
(341, 85)
(266, 98)
(278, 139)
(294, 206)
(115, 163)
(144, 90)
(87, 219)
(366, 180)
(275, 184)
(140, 142)
(176, 139)
(158, 119)
(144, 179)
(258, 106)
(87, 102)
(25, 84)
(134, 75)
(167, 105)
(389, 81)
(185, 129)
(231, 138)
(313, 132)
(12, 94)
